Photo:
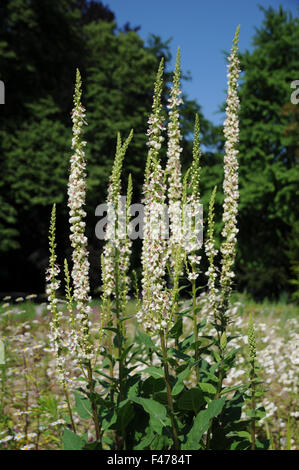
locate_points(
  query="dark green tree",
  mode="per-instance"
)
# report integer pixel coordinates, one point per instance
(41, 44)
(269, 171)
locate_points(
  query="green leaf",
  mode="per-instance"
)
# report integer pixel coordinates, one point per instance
(154, 372)
(216, 356)
(233, 388)
(133, 386)
(83, 406)
(96, 445)
(156, 410)
(240, 445)
(242, 434)
(191, 400)
(177, 329)
(146, 441)
(72, 441)
(179, 385)
(124, 417)
(178, 354)
(207, 388)
(145, 339)
(109, 420)
(161, 397)
(151, 386)
(201, 424)
(262, 445)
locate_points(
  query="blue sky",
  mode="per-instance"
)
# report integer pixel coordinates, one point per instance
(203, 29)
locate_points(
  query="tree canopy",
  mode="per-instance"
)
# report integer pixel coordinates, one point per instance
(41, 45)
(269, 171)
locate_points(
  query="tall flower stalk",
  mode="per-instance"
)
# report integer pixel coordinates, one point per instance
(55, 326)
(211, 253)
(118, 243)
(192, 237)
(116, 255)
(155, 298)
(230, 210)
(231, 196)
(80, 271)
(76, 202)
(156, 310)
(230, 184)
(173, 167)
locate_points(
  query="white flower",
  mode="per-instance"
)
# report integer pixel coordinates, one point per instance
(193, 276)
(230, 184)
(6, 438)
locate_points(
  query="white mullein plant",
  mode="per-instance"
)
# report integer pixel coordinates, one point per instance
(211, 253)
(155, 310)
(56, 334)
(53, 284)
(192, 210)
(116, 257)
(80, 271)
(192, 228)
(76, 202)
(230, 184)
(157, 300)
(220, 303)
(173, 167)
(118, 244)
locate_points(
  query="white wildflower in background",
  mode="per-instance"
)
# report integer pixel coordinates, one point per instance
(6, 439)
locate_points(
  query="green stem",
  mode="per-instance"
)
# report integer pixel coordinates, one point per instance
(93, 404)
(253, 405)
(195, 330)
(168, 388)
(26, 398)
(67, 397)
(119, 325)
(219, 388)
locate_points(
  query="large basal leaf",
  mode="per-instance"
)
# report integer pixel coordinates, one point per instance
(83, 406)
(156, 410)
(191, 400)
(201, 424)
(151, 386)
(125, 416)
(71, 441)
